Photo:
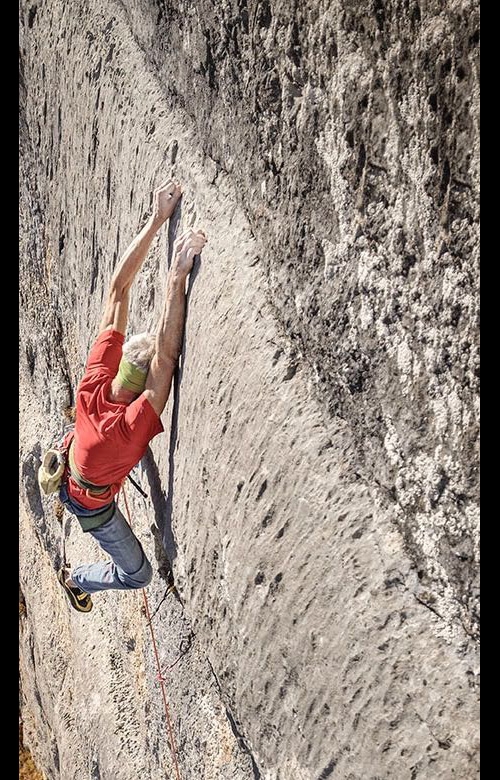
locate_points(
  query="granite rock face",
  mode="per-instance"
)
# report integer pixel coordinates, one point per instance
(316, 487)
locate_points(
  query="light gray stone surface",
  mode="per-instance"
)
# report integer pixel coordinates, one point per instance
(319, 499)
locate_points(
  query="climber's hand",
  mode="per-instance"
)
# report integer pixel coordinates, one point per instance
(186, 247)
(165, 199)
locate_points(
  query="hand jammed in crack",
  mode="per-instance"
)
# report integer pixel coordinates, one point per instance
(165, 199)
(118, 406)
(186, 247)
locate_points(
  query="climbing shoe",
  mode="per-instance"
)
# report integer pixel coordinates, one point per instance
(80, 600)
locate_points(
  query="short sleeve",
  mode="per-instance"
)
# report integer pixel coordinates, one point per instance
(141, 421)
(106, 353)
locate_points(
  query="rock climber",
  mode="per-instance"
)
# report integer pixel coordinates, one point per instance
(118, 406)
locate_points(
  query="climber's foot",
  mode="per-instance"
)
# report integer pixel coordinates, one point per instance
(78, 599)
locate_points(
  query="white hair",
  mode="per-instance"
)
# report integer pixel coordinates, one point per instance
(139, 350)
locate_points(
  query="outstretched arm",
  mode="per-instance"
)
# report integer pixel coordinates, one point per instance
(171, 326)
(116, 310)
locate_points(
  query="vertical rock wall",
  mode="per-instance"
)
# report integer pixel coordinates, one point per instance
(318, 501)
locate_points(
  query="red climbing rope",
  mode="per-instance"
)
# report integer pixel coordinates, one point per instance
(159, 675)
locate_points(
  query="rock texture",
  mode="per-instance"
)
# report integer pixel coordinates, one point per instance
(318, 496)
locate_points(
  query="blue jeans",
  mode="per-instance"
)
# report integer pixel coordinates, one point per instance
(128, 567)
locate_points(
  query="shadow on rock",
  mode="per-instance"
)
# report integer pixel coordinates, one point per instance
(30, 468)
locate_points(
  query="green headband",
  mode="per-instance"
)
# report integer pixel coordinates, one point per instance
(131, 377)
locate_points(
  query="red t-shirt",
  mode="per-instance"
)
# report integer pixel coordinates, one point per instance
(110, 438)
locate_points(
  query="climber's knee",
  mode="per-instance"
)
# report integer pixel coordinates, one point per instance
(140, 578)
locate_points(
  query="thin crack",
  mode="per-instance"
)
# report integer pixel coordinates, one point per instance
(239, 736)
(424, 603)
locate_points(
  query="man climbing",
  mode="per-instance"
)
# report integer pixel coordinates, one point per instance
(118, 405)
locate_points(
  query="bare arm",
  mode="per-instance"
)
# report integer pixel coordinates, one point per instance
(171, 326)
(116, 310)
